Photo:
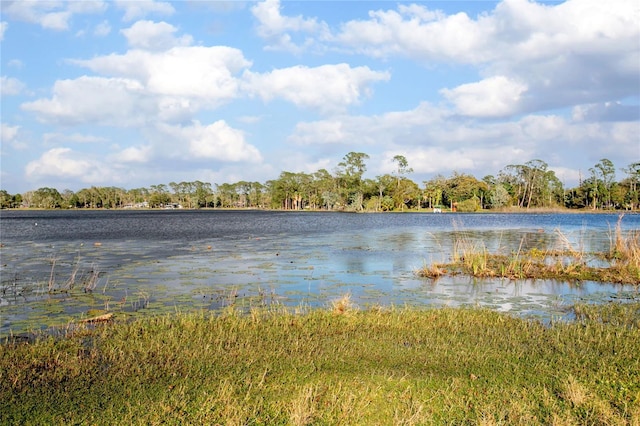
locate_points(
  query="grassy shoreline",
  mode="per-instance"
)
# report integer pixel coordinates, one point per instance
(332, 366)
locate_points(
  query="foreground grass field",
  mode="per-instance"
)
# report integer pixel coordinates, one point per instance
(333, 366)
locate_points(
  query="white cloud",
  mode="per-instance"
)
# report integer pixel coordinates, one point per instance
(148, 35)
(134, 154)
(216, 141)
(145, 87)
(607, 111)
(56, 20)
(10, 86)
(3, 27)
(418, 33)
(51, 138)
(437, 141)
(106, 101)
(62, 162)
(11, 136)
(204, 73)
(102, 29)
(52, 15)
(134, 9)
(328, 88)
(8, 133)
(493, 97)
(413, 126)
(577, 51)
(15, 63)
(277, 29)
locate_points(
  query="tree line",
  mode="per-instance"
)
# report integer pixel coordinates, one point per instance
(526, 186)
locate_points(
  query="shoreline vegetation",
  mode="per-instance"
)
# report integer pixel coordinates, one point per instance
(339, 365)
(526, 186)
(620, 264)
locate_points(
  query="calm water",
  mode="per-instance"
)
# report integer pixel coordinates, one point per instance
(58, 266)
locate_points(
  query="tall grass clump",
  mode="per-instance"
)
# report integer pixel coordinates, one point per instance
(471, 254)
(302, 367)
(624, 251)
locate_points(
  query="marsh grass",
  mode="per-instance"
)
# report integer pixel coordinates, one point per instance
(563, 262)
(302, 366)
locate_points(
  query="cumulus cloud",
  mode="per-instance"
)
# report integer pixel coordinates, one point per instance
(413, 125)
(134, 154)
(205, 73)
(134, 9)
(416, 32)
(145, 86)
(574, 52)
(183, 80)
(50, 15)
(493, 97)
(277, 29)
(216, 141)
(62, 162)
(10, 86)
(102, 29)
(327, 88)
(10, 136)
(149, 35)
(438, 141)
(8, 133)
(98, 100)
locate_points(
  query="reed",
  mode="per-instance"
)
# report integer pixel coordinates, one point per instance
(91, 282)
(625, 248)
(51, 284)
(563, 262)
(71, 281)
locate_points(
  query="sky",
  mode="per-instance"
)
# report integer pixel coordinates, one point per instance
(139, 93)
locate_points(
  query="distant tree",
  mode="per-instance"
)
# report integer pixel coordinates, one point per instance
(16, 201)
(498, 196)
(349, 175)
(460, 187)
(5, 199)
(605, 174)
(46, 198)
(406, 194)
(434, 190)
(402, 167)
(382, 185)
(632, 185)
(532, 184)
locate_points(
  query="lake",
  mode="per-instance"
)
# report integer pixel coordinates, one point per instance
(60, 266)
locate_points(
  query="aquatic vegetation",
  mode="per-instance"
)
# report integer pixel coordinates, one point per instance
(565, 263)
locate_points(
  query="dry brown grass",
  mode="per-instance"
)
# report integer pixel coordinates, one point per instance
(562, 262)
(343, 305)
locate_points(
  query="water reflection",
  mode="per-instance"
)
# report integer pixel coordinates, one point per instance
(212, 260)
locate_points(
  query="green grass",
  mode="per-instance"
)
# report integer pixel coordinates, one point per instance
(335, 366)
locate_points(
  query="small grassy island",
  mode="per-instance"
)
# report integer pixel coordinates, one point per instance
(620, 264)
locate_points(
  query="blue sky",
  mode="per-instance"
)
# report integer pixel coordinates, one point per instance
(137, 93)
